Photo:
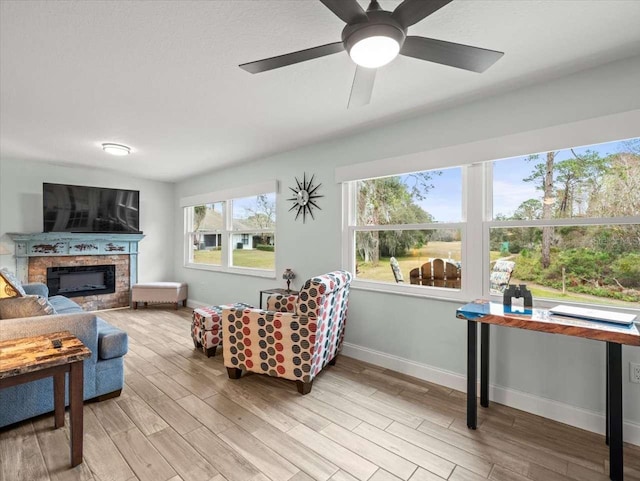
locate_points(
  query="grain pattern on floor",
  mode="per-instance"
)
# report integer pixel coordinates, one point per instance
(180, 419)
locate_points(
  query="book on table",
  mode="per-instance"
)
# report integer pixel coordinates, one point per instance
(594, 314)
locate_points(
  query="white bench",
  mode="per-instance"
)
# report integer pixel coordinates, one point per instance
(159, 292)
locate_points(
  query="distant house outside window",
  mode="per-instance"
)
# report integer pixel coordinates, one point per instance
(237, 232)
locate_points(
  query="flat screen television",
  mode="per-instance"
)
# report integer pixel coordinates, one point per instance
(76, 208)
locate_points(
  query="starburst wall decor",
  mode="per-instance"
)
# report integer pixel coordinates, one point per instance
(304, 197)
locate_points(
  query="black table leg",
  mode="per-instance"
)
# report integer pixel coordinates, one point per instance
(472, 368)
(484, 364)
(607, 396)
(615, 411)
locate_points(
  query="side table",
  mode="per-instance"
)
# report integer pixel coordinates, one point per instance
(277, 290)
(31, 358)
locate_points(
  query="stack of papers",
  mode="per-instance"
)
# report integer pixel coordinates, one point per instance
(594, 314)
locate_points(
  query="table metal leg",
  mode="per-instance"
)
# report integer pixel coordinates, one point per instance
(75, 408)
(58, 399)
(615, 411)
(607, 396)
(484, 364)
(472, 368)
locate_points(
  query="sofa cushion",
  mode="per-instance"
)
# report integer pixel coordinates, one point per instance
(112, 342)
(28, 306)
(64, 305)
(36, 289)
(10, 286)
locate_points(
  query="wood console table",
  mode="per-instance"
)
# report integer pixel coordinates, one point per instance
(487, 313)
(32, 358)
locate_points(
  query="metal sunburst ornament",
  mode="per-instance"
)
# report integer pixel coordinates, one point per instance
(304, 197)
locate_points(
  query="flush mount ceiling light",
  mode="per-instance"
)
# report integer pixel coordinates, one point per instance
(374, 37)
(116, 149)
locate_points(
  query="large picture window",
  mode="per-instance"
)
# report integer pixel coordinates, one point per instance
(565, 222)
(235, 234)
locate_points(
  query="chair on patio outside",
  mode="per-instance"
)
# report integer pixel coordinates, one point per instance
(500, 276)
(437, 273)
(395, 268)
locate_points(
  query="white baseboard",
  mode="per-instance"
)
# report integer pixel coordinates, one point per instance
(548, 408)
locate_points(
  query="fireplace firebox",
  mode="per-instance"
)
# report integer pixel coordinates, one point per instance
(76, 281)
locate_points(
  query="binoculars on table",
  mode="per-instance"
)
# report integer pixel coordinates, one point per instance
(517, 291)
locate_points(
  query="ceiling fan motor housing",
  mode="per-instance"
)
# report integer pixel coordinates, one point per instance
(380, 23)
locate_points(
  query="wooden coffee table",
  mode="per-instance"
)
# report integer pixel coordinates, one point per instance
(32, 358)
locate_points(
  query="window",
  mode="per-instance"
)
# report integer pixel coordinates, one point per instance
(568, 219)
(566, 223)
(236, 234)
(409, 220)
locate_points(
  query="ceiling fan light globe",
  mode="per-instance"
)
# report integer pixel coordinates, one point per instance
(375, 51)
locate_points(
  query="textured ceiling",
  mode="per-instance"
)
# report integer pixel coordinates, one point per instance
(163, 76)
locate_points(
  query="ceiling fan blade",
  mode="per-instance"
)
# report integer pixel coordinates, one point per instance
(411, 12)
(449, 53)
(293, 57)
(349, 11)
(362, 86)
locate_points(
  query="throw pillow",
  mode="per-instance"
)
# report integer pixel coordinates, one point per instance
(10, 286)
(28, 306)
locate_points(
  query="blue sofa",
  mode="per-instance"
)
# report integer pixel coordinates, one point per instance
(103, 371)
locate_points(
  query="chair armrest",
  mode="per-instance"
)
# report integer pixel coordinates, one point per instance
(282, 303)
(36, 289)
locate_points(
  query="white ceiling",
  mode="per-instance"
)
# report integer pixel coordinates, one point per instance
(163, 76)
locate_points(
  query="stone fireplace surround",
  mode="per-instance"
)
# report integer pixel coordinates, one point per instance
(35, 252)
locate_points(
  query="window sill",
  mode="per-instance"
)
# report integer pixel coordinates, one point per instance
(410, 290)
(243, 271)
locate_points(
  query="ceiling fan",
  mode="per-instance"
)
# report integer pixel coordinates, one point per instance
(375, 37)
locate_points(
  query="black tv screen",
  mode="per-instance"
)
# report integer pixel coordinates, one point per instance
(75, 208)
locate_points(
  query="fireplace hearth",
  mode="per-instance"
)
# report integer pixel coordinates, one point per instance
(78, 281)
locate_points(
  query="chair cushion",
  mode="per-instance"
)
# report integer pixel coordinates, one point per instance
(64, 305)
(112, 342)
(28, 306)
(10, 286)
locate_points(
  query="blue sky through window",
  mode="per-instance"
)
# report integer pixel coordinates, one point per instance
(509, 188)
(444, 201)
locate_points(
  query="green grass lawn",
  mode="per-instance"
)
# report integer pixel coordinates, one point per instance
(241, 258)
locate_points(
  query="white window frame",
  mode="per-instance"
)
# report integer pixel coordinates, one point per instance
(227, 232)
(476, 158)
(350, 228)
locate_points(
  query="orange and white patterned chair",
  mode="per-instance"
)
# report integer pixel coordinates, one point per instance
(292, 345)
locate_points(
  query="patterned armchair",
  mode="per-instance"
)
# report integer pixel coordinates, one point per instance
(292, 345)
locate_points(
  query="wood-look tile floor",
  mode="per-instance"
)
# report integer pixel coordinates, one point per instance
(181, 418)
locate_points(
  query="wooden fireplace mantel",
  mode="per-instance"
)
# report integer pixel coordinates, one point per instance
(50, 244)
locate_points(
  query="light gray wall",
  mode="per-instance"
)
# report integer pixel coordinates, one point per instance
(424, 330)
(21, 208)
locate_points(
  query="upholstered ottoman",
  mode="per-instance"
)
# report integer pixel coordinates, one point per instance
(159, 292)
(206, 326)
